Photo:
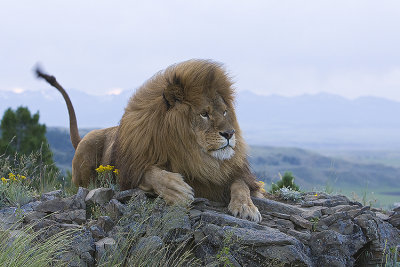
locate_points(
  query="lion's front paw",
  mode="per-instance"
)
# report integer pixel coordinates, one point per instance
(173, 189)
(245, 210)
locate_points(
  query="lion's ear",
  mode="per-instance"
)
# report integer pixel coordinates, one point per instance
(174, 92)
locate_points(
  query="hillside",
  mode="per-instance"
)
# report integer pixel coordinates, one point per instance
(314, 170)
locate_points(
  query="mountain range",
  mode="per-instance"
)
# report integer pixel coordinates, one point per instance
(321, 121)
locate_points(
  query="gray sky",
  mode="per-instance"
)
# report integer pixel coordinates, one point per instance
(350, 48)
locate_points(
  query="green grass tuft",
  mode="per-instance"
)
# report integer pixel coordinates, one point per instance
(286, 181)
(25, 247)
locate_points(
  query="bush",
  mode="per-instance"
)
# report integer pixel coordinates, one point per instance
(23, 176)
(15, 190)
(286, 181)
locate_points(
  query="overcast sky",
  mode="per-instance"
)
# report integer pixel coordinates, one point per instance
(350, 48)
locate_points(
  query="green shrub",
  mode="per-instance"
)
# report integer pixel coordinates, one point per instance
(15, 190)
(286, 181)
(24, 176)
(289, 194)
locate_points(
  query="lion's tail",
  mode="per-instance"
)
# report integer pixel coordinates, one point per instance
(73, 125)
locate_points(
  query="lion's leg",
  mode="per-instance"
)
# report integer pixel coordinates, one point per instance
(88, 156)
(258, 193)
(83, 170)
(241, 204)
(169, 185)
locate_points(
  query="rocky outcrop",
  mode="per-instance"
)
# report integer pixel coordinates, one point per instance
(319, 230)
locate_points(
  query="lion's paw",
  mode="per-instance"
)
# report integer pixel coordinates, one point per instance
(246, 211)
(173, 189)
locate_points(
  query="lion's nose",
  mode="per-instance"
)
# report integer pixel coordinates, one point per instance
(227, 134)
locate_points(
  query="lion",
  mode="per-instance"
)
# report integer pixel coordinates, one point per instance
(178, 137)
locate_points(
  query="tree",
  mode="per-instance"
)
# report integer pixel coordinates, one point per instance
(22, 133)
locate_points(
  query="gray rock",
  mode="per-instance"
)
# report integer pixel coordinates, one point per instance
(283, 225)
(279, 215)
(369, 226)
(106, 223)
(54, 205)
(69, 226)
(382, 216)
(225, 219)
(115, 209)
(125, 196)
(100, 196)
(30, 206)
(327, 200)
(260, 237)
(332, 247)
(33, 216)
(257, 247)
(49, 228)
(344, 227)
(328, 220)
(83, 246)
(194, 214)
(312, 212)
(102, 246)
(303, 236)
(97, 232)
(395, 219)
(51, 195)
(73, 216)
(297, 220)
(267, 205)
(79, 198)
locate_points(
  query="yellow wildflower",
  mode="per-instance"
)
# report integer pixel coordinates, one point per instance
(315, 195)
(109, 168)
(116, 171)
(22, 177)
(12, 176)
(262, 186)
(100, 169)
(4, 180)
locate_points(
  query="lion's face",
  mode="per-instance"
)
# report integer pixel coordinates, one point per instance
(213, 124)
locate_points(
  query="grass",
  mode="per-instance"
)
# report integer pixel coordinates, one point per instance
(223, 257)
(390, 257)
(25, 247)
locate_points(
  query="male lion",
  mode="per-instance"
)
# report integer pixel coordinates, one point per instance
(179, 137)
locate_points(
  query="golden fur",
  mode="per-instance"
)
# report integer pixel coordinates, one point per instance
(178, 137)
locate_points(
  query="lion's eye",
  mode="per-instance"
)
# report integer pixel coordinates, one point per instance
(225, 112)
(204, 115)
